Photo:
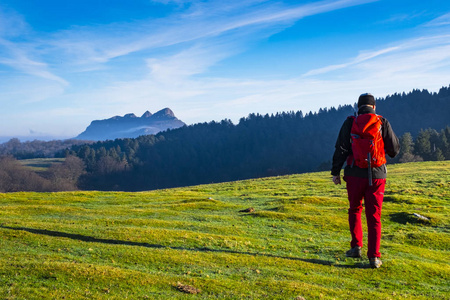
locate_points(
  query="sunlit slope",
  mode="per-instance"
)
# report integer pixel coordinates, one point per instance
(206, 240)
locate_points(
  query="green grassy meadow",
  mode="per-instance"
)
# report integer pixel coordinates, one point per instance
(40, 164)
(148, 245)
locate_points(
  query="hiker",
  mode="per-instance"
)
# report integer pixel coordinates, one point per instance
(365, 172)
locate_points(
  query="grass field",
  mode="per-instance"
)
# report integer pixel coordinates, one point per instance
(195, 243)
(40, 164)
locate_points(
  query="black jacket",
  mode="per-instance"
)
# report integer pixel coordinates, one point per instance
(344, 148)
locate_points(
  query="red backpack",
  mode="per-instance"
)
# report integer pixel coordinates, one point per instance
(367, 142)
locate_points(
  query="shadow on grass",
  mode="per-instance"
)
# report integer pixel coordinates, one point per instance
(85, 238)
(405, 218)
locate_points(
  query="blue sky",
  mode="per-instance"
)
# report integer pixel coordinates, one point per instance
(66, 63)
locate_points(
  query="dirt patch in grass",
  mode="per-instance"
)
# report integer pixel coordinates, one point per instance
(188, 289)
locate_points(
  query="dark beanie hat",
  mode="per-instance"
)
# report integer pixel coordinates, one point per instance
(366, 99)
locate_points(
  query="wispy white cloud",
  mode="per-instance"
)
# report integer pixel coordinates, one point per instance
(12, 24)
(402, 18)
(17, 53)
(443, 20)
(357, 60)
(203, 20)
(414, 55)
(18, 59)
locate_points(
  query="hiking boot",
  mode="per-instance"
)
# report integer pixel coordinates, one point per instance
(375, 262)
(354, 252)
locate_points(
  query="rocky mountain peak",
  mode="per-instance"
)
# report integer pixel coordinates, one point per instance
(164, 113)
(130, 126)
(147, 114)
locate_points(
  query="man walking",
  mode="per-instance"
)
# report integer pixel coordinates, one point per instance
(365, 172)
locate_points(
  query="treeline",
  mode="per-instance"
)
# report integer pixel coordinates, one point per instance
(416, 110)
(36, 148)
(257, 146)
(71, 174)
(14, 177)
(429, 145)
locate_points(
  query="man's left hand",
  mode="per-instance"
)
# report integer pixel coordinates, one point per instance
(337, 179)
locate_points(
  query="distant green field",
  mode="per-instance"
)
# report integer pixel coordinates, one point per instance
(163, 244)
(40, 164)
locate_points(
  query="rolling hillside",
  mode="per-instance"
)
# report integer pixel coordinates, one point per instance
(205, 240)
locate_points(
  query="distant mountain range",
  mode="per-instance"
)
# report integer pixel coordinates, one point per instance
(130, 126)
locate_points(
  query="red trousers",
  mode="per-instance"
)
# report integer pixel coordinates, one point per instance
(359, 189)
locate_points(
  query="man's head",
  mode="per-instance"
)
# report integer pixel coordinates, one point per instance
(366, 99)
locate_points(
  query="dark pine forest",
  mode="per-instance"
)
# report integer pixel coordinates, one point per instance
(259, 145)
